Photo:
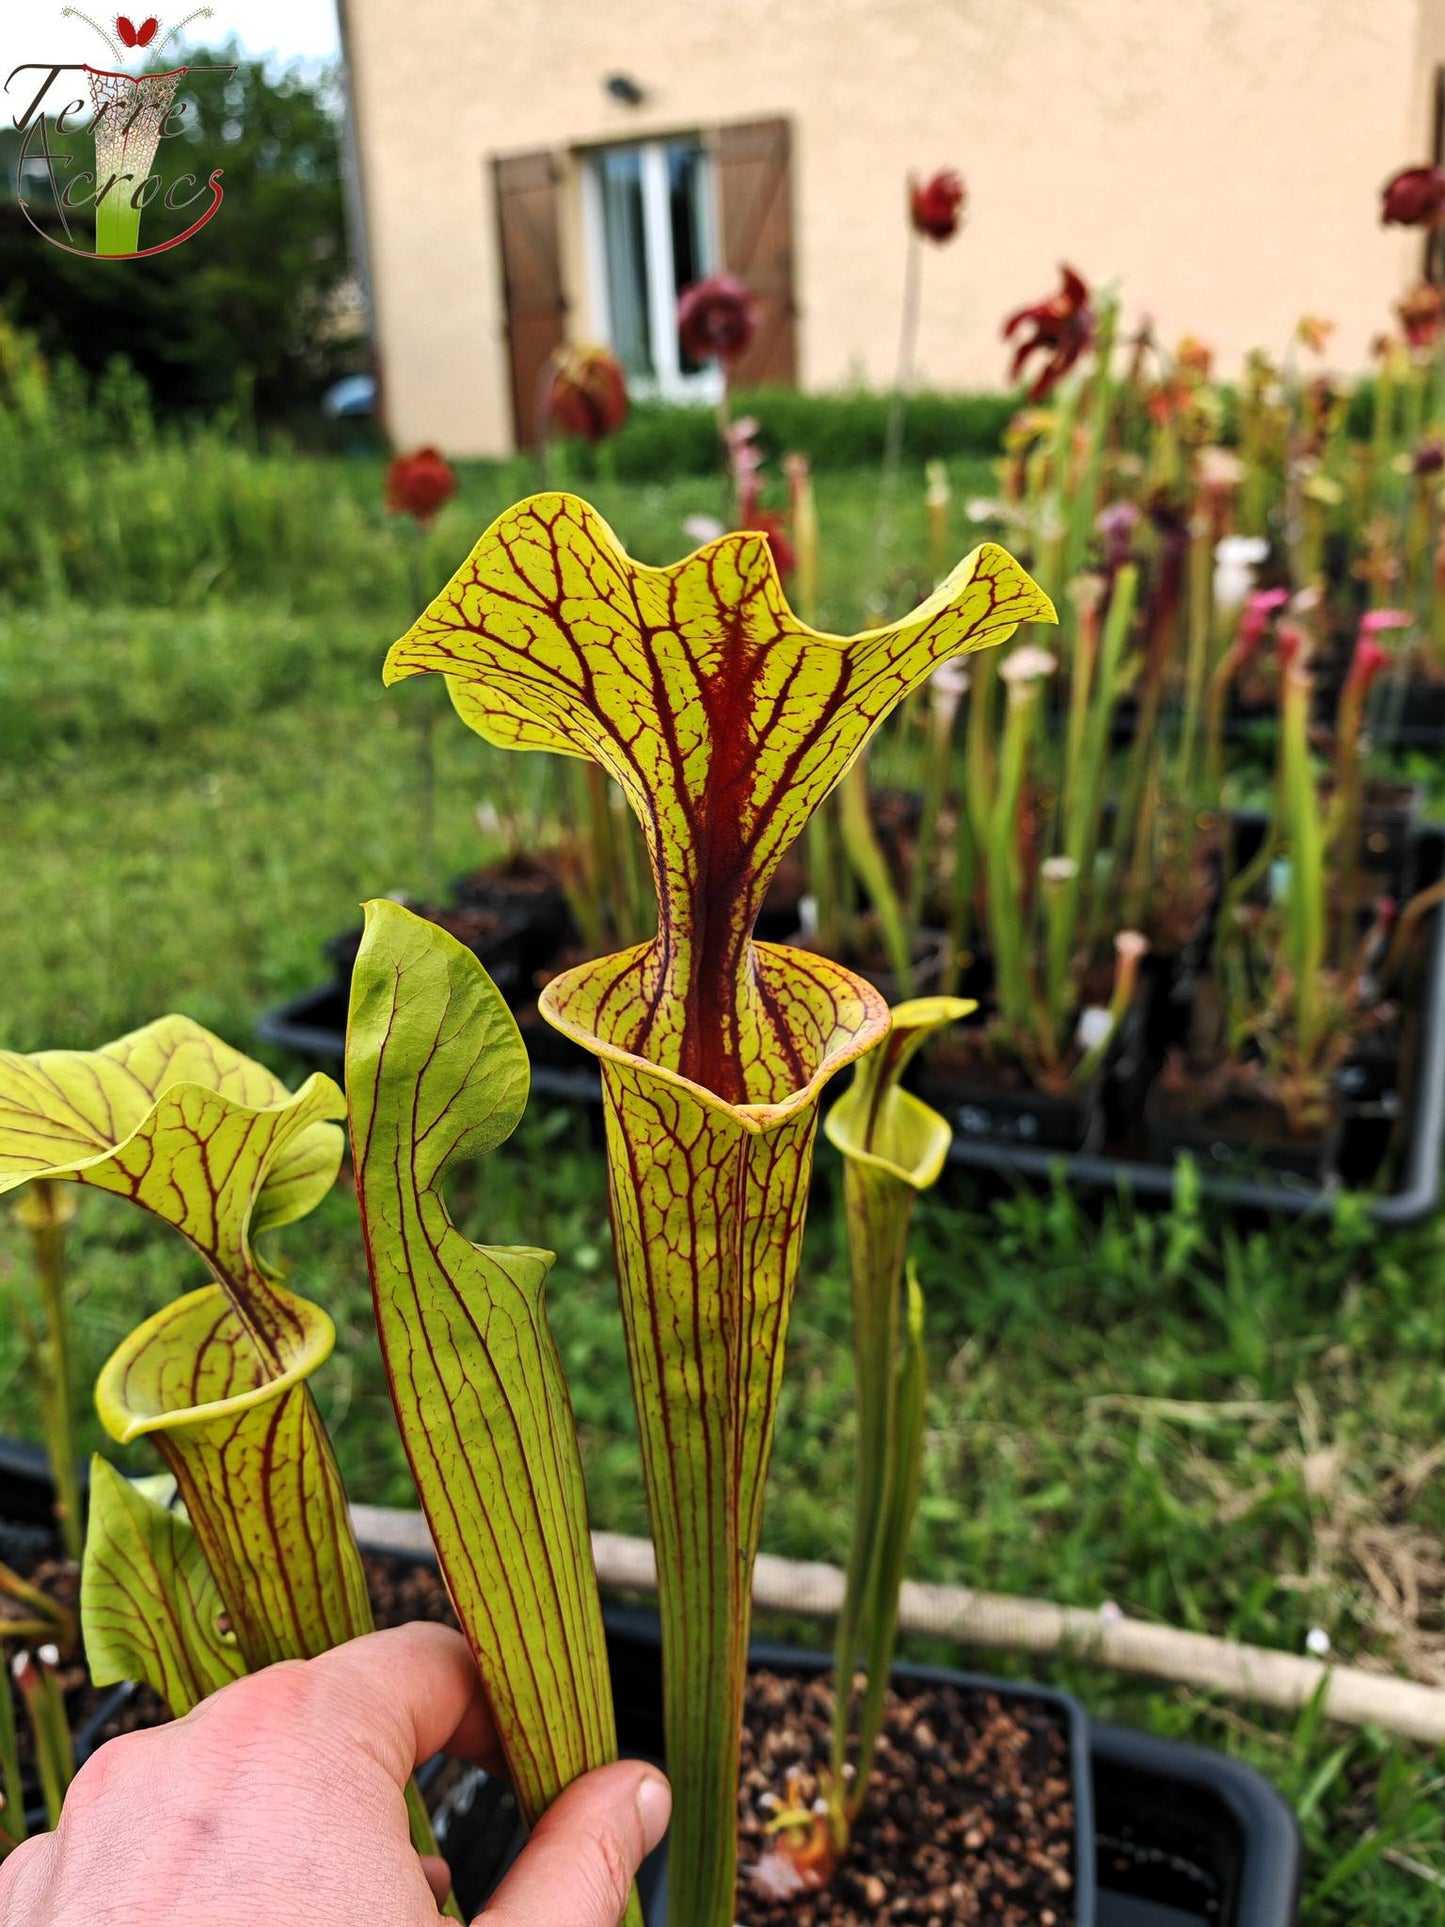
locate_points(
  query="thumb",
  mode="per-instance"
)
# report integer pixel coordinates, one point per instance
(578, 1867)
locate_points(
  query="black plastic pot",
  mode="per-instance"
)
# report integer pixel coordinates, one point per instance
(478, 1827)
(1187, 1838)
(1170, 1835)
(994, 1113)
(312, 1028)
(1410, 1121)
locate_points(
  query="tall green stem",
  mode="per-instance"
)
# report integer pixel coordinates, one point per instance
(893, 435)
(45, 1210)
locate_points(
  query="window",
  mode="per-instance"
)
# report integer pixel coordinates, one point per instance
(649, 231)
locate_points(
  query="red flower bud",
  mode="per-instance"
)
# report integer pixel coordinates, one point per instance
(1063, 327)
(936, 206)
(420, 485)
(1366, 663)
(716, 319)
(769, 524)
(1415, 197)
(587, 395)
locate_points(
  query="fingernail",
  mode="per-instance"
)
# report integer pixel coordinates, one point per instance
(654, 1807)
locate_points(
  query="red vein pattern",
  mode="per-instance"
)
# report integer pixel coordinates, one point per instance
(723, 718)
(436, 1072)
(725, 722)
(190, 1130)
(149, 1607)
(254, 1465)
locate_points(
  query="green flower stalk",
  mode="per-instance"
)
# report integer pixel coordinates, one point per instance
(1023, 675)
(893, 1146)
(35, 1676)
(726, 722)
(45, 1210)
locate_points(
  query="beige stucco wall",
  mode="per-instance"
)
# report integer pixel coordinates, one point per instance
(1220, 158)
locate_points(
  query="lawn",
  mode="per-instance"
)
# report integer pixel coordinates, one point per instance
(1233, 1430)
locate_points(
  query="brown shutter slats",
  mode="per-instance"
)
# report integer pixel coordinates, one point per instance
(755, 193)
(529, 232)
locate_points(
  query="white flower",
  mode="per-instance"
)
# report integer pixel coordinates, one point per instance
(948, 685)
(1317, 1642)
(1236, 557)
(702, 528)
(1028, 664)
(1095, 1027)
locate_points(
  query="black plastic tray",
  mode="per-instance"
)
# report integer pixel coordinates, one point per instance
(1182, 1836)
(312, 1027)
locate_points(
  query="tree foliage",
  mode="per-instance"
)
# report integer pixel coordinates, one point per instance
(252, 300)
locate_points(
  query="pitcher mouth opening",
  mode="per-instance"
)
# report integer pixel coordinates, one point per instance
(847, 1018)
(127, 1417)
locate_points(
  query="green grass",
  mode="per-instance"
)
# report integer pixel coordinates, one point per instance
(1228, 1430)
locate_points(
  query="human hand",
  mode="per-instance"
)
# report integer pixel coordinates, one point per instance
(279, 1800)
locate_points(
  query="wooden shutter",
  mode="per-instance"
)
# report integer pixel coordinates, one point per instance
(755, 191)
(531, 254)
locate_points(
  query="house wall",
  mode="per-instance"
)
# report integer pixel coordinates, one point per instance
(1221, 161)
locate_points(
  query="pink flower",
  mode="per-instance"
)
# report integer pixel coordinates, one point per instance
(936, 206)
(717, 319)
(1377, 622)
(1260, 609)
(1063, 327)
(1415, 197)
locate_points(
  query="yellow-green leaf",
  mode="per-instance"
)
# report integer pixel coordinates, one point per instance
(255, 1468)
(188, 1128)
(894, 1146)
(149, 1608)
(723, 718)
(725, 721)
(877, 1122)
(437, 1074)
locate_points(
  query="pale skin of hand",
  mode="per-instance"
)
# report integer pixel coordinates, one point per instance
(279, 1801)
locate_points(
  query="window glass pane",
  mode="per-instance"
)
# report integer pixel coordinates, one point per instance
(686, 185)
(625, 248)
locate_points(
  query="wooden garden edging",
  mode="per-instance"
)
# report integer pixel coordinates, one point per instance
(813, 1591)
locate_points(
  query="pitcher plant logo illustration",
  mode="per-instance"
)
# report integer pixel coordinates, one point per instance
(131, 114)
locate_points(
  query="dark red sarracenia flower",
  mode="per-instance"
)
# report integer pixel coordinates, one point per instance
(420, 485)
(1422, 312)
(587, 395)
(1062, 328)
(717, 319)
(935, 206)
(768, 522)
(1415, 197)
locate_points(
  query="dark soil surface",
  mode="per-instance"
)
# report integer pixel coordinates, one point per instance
(970, 1817)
